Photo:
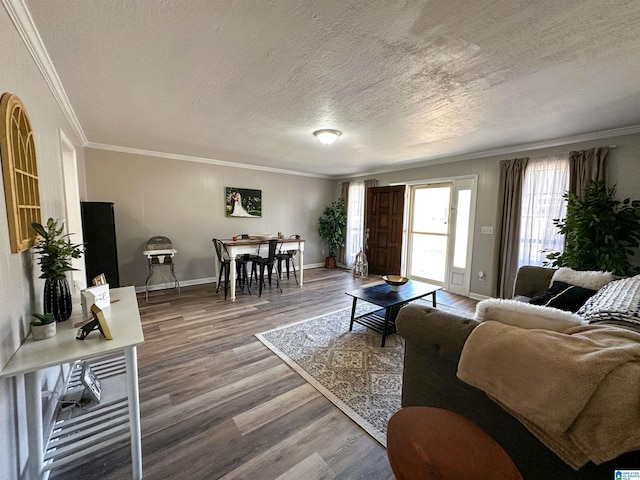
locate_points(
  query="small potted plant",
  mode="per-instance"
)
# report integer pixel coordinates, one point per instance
(44, 326)
(56, 251)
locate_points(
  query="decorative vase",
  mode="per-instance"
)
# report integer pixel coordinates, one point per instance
(57, 298)
(42, 332)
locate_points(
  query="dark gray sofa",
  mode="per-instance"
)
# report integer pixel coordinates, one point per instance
(434, 341)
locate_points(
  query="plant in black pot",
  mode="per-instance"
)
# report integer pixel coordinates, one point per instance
(331, 229)
(56, 251)
(601, 233)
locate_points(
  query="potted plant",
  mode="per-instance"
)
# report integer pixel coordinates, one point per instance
(56, 251)
(601, 233)
(44, 326)
(331, 229)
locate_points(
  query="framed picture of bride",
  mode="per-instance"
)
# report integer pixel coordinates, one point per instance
(243, 202)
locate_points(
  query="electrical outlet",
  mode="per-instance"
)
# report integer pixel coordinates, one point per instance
(486, 230)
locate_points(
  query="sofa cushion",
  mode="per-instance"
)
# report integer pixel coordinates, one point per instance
(564, 296)
(593, 280)
(525, 315)
(617, 302)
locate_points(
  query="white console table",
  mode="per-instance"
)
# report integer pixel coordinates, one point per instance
(124, 323)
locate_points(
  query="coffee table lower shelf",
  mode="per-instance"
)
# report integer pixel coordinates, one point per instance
(376, 322)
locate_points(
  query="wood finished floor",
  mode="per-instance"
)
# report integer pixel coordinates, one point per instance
(217, 404)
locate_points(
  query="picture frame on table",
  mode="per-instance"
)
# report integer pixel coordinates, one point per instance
(103, 326)
(91, 382)
(97, 322)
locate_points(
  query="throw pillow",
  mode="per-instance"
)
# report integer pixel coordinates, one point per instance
(618, 301)
(593, 280)
(525, 315)
(564, 296)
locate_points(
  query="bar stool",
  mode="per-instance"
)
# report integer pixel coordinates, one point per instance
(286, 256)
(435, 444)
(225, 266)
(270, 263)
(249, 258)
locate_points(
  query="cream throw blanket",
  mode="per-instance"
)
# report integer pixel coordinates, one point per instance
(577, 391)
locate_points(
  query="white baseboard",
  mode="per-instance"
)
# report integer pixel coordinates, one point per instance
(201, 281)
(183, 283)
(477, 296)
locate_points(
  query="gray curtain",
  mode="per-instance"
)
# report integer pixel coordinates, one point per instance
(585, 165)
(342, 254)
(367, 185)
(509, 205)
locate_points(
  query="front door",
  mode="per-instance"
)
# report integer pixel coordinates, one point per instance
(440, 233)
(429, 231)
(383, 227)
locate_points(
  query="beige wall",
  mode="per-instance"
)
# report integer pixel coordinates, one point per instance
(20, 289)
(623, 170)
(185, 201)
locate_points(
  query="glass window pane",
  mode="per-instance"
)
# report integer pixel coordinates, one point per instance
(428, 255)
(355, 222)
(431, 210)
(544, 183)
(462, 229)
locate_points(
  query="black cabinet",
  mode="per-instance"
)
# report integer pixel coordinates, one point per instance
(99, 231)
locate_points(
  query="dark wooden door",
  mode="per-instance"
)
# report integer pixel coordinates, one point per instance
(383, 223)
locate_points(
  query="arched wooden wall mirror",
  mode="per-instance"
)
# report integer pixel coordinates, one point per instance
(19, 171)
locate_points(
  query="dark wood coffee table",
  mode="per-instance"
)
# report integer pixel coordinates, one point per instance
(384, 321)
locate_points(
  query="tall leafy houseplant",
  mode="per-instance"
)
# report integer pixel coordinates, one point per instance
(601, 232)
(332, 225)
(56, 251)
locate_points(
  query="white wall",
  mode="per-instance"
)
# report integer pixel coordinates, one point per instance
(623, 169)
(20, 289)
(185, 201)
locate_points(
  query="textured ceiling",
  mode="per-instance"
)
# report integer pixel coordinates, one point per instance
(248, 81)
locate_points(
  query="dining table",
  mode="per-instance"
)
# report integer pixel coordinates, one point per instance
(242, 246)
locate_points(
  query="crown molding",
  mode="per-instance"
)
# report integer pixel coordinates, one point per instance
(587, 137)
(523, 147)
(23, 21)
(437, 160)
(188, 158)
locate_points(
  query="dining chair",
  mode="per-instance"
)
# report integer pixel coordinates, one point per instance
(225, 267)
(269, 262)
(286, 256)
(249, 258)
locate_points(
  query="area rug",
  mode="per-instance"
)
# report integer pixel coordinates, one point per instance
(361, 378)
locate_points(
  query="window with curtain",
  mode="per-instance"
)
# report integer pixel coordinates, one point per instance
(545, 181)
(355, 222)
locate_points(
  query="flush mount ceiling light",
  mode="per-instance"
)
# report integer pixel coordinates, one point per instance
(327, 136)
